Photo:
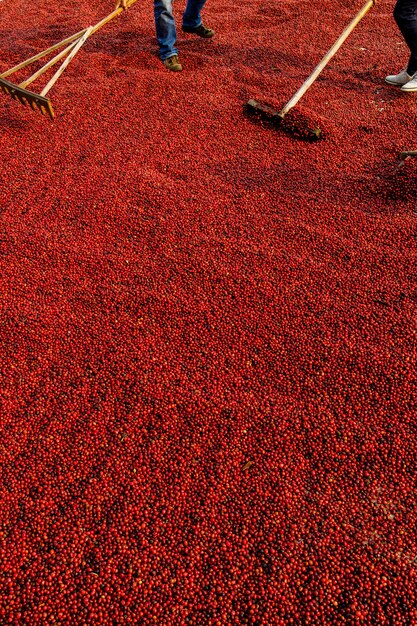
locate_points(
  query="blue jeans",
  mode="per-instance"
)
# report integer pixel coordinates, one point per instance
(405, 14)
(166, 33)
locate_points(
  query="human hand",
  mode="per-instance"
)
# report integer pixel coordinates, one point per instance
(121, 4)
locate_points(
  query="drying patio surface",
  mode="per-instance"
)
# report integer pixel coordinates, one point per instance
(207, 326)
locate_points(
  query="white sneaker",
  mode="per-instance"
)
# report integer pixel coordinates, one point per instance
(399, 79)
(411, 85)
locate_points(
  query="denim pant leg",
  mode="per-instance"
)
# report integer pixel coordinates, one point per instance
(405, 14)
(166, 33)
(192, 13)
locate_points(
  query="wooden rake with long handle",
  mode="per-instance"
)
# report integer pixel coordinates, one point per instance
(71, 45)
(279, 116)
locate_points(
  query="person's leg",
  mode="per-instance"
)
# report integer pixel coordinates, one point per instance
(405, 15)
(192, 13)
(166, 33)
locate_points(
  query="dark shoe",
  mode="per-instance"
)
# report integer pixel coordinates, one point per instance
(173, 64)
(201, 31)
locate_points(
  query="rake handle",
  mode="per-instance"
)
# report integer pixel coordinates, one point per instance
(42, 54)
(50, 63)
(330, 54)
(71, 55)
(111, 16)
(68, 40)
(75, 47)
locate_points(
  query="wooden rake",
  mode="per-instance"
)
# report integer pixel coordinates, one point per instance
(278, 116)
(40, 101)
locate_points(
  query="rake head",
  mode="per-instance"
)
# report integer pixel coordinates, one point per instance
(34, 100)
(295, 124)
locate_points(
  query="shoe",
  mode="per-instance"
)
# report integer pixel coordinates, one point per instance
(398, 79)
(201, 31)
(411, 85)
(173, 64)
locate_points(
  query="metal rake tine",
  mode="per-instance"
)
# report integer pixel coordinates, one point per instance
(4, 88)
(25, 97)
